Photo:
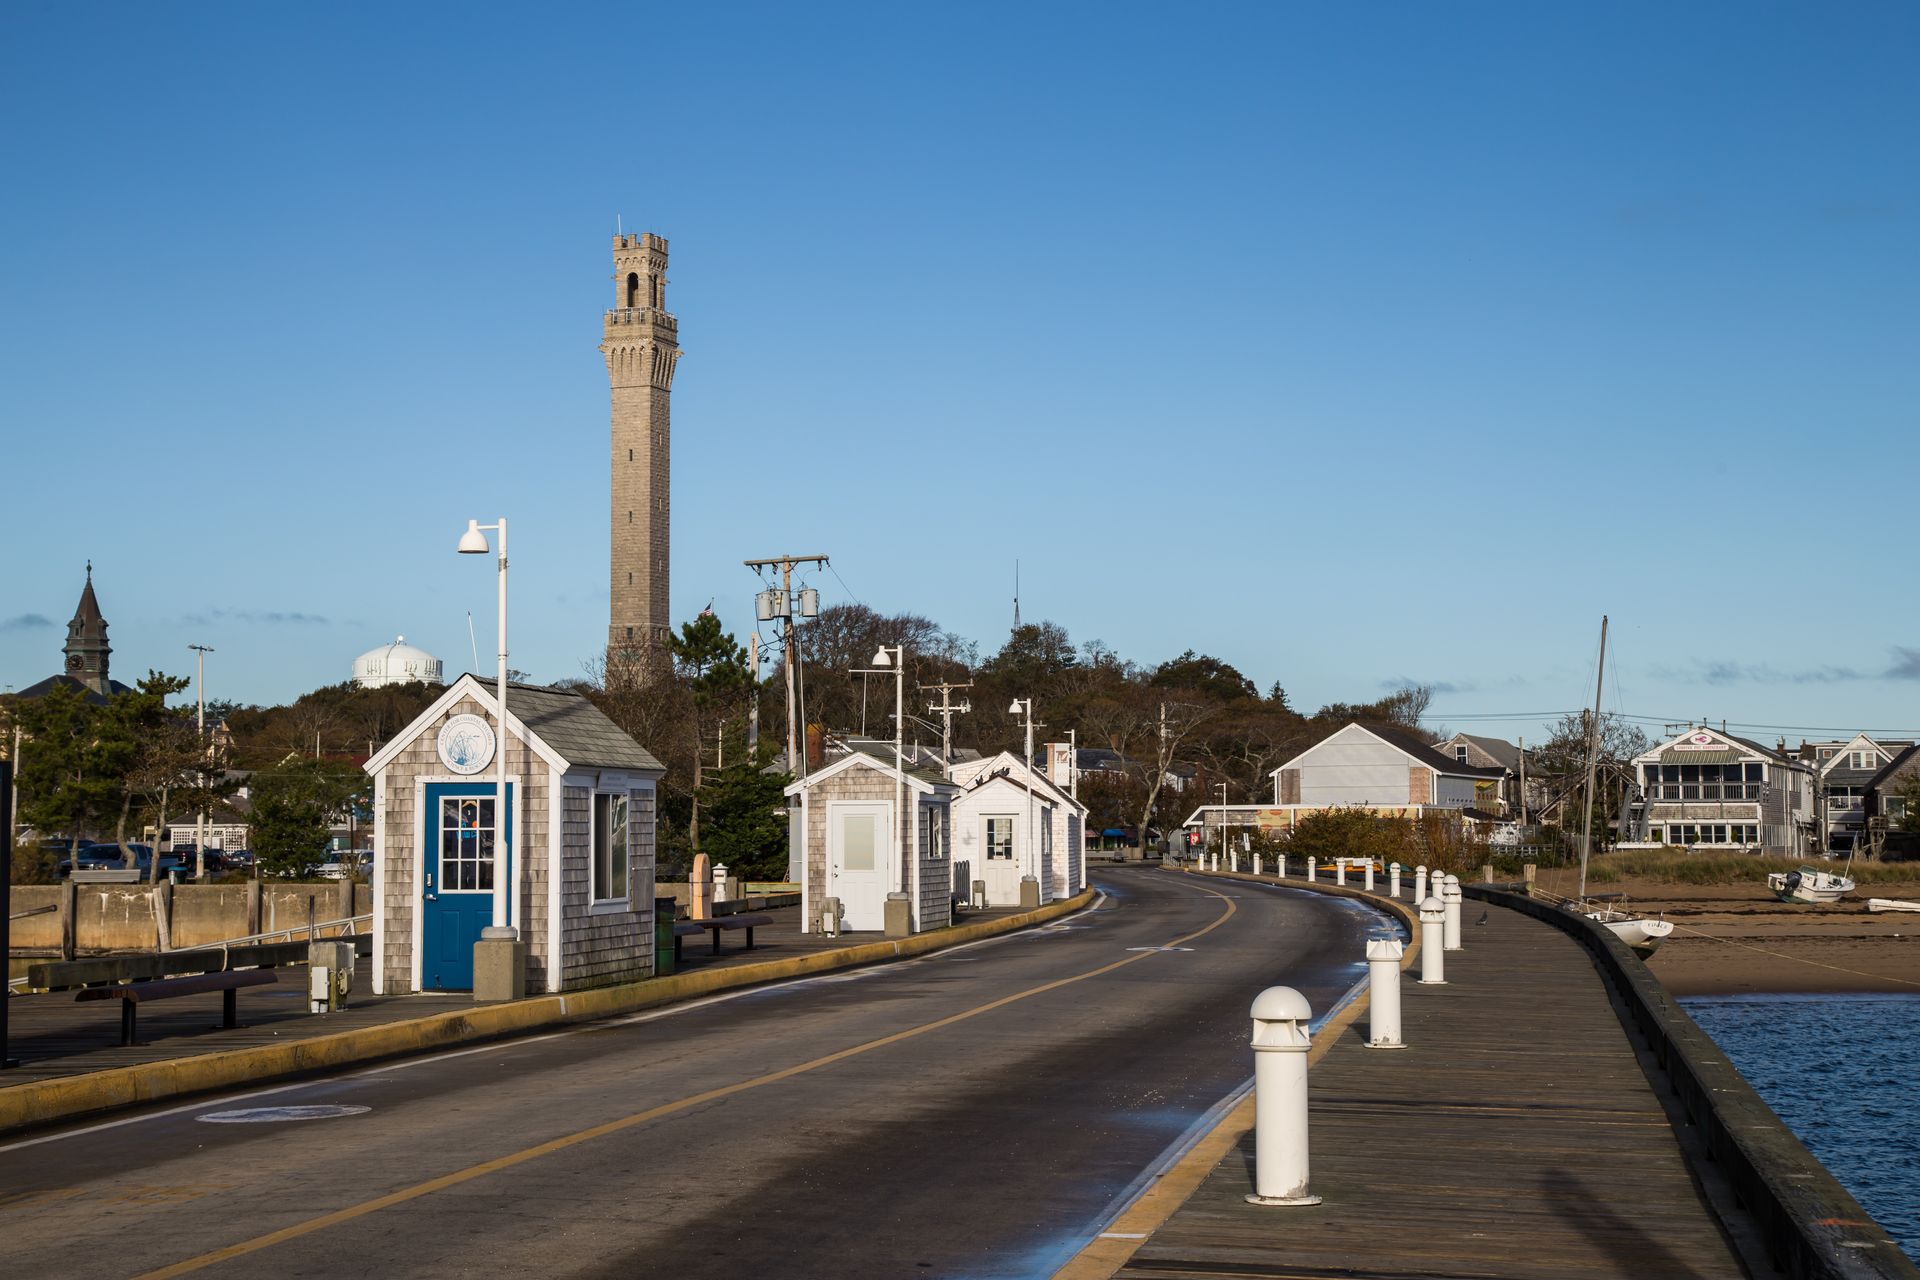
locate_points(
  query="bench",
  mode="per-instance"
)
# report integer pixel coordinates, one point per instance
(690, 928)
(133, 993)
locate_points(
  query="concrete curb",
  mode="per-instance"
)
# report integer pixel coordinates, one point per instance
(45, 1102)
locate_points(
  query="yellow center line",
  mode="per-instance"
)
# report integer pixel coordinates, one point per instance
(548, 1148)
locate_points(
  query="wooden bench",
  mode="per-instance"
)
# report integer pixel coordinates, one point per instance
(132, 994)
(691, 928)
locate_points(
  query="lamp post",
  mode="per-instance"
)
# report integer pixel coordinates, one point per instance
(1024, 707)
(1224, 856)
(894, 657)
(474, 543)
(200, 723)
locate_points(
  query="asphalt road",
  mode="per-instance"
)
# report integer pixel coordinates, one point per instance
(976, 1113)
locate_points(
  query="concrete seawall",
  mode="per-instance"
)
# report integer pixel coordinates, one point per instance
(120, 917)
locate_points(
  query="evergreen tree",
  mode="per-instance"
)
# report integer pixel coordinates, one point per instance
(294, 804)
(743, 806)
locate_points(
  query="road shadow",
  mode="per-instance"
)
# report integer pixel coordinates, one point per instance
(1614, 1234)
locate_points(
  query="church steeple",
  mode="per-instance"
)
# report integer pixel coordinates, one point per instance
(87, 647)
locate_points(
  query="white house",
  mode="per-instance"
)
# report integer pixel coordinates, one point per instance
(578, 837)
(1011, 822)
(871, 832)
(1706, 787)
(1382, 769)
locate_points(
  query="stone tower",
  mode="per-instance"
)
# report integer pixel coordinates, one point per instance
(87, 647)
(641, 344)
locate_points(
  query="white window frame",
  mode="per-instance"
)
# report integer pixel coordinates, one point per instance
(597, 904)
(986, 837)
(935, 831)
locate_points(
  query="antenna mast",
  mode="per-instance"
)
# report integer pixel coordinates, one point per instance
(1593, 757)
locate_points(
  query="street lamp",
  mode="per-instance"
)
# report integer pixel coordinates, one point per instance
(200, 725)
(1223, 822)
(474, 543)
(1024, 706)
(895, 657)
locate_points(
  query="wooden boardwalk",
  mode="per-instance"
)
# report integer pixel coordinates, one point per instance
(1518, 1137)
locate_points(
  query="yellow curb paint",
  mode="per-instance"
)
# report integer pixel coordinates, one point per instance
(45, 1102)
(456, 1178)
(1113, 1248)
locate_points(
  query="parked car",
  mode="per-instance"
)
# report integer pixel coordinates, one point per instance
(92, 857)
(358, 863)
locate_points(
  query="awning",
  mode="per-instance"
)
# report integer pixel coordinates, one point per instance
(1671, 756)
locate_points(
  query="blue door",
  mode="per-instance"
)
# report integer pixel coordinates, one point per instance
(456, 891)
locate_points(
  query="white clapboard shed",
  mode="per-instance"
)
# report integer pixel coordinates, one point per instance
(1002, 835)
(579, 830)
(854, 814)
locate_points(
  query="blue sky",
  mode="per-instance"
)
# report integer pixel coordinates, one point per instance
(1351, 343)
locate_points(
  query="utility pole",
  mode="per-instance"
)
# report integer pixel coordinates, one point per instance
(753, 706)
(946, 711)
(780, 605)
(1523, 782)
(768, 605)
(1073, 764)
(200, 722)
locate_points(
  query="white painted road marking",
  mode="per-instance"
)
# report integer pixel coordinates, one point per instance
(279, 1115)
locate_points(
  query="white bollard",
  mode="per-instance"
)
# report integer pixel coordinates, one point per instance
(1369, 875)
(1312, 867)
(1280, 1045)
(1419, 884)
(1452, 900)
(1235, 855)
(1393, 880)
(1257, 864)
(1340, 871)
(1280, 866)
(1433, 969)
(1383, 994)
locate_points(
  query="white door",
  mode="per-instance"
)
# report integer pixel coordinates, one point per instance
(857, 851)
(998, 865)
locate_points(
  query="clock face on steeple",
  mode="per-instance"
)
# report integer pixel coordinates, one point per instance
(74, 661)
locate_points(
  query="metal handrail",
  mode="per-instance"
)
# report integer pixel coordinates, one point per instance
(344, 922)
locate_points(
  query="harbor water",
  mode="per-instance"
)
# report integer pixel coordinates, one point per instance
(1840, 1070)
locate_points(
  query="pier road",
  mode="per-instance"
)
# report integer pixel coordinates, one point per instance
(978, 1112)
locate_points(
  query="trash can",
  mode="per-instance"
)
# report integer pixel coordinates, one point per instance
(664, 910)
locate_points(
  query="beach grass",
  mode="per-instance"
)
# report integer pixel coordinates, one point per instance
(1677, 866)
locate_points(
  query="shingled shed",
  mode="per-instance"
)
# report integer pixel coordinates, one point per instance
(581, 796)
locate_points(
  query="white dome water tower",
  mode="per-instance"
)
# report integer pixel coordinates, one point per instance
(396, 663)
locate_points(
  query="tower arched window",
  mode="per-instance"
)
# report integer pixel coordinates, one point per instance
(633, 289)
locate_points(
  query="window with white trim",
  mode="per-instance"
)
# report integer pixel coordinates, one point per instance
(935, 831)
(610, 842)
(1000, 839)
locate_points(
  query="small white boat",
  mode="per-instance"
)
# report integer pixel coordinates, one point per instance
(1809, 885)
(1643, 933)
(1891, 904)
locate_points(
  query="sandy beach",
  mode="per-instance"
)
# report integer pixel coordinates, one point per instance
(1733, 939)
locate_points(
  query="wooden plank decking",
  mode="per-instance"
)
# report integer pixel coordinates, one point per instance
(1518, 1137)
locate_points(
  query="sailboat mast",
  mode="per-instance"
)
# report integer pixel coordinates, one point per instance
(1593, 757)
